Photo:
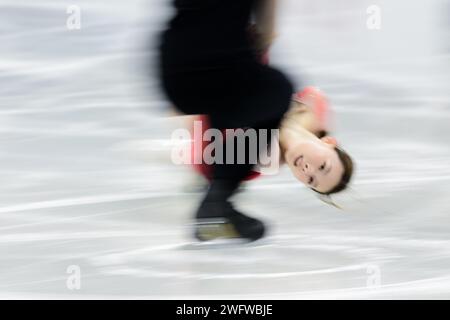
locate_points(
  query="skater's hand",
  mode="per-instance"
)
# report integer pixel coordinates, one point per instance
(261, 41)
(265, 16)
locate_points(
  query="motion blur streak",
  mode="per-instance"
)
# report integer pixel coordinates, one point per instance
(86, 181)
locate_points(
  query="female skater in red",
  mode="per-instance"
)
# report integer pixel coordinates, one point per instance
(207, 51)
(305, 143)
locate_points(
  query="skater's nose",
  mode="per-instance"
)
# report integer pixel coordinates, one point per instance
(306, 167)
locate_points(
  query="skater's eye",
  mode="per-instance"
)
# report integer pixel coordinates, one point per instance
(322, 168)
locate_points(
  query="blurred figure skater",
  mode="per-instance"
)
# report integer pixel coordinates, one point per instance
(209, 66)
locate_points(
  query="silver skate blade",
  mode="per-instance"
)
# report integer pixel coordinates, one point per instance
(216, 244)
(215, 229)
(210, 221)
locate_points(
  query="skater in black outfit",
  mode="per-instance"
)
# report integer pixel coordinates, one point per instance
(210, 65)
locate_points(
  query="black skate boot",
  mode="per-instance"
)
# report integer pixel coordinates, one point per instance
(217, 219)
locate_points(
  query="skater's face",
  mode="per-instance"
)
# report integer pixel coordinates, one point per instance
(316, 163)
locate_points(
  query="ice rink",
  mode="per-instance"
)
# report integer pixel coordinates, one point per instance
(86, 180)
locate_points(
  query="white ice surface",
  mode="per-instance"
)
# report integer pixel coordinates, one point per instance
(85, 179)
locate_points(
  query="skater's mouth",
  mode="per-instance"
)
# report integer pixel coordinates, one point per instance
(298, 160)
